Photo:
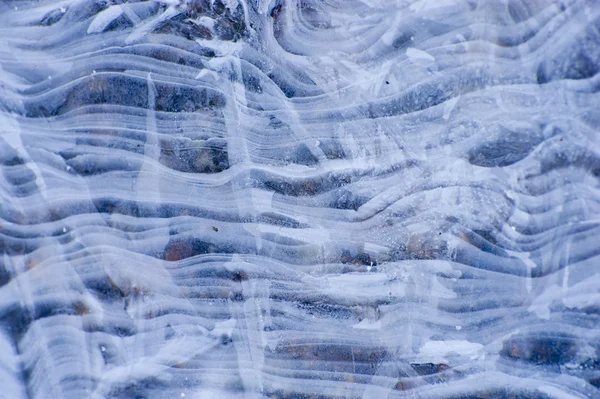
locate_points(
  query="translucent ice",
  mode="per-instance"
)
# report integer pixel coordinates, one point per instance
(300, 199)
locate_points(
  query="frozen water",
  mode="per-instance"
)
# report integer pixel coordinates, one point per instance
(300, 199)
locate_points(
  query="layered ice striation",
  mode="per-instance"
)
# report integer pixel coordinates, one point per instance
(300, 199)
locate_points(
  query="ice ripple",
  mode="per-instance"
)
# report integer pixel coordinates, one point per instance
(294, 199)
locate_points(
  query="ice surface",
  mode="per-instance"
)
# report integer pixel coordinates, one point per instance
(300, 199)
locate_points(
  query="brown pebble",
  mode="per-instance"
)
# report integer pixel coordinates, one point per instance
(178, 250)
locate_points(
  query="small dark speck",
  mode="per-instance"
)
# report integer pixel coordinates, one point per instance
(387, 82)
(561, 139)
(225, 339)
(214, 228)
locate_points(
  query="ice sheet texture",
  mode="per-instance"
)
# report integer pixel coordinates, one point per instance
(300, 199)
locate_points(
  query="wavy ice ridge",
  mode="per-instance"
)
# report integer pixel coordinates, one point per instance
(300, 199)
